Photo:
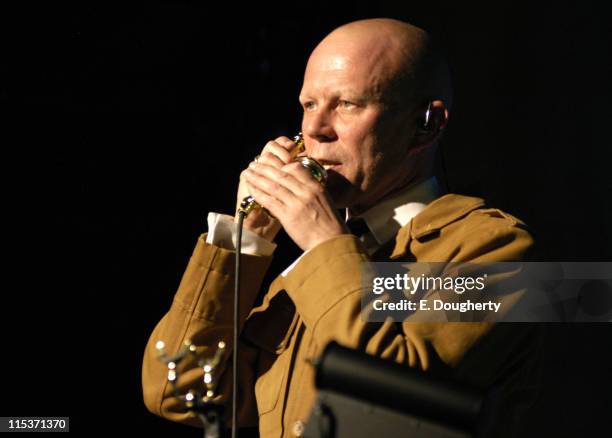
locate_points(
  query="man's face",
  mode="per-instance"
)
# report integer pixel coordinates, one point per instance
(349, 126)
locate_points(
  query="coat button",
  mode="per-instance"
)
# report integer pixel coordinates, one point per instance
(298, 428)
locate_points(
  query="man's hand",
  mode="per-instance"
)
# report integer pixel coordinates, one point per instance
(297, 200)
(275, 154)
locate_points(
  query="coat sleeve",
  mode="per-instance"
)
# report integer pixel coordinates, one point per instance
(202, 311)
(327, 285)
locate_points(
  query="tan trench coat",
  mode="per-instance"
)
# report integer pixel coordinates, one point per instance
(319, 301)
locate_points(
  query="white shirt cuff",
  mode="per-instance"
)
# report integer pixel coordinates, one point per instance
(222, 232)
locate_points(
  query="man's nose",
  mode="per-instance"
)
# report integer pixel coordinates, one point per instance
(318, 126)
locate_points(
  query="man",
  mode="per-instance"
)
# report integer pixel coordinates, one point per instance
(376, 98)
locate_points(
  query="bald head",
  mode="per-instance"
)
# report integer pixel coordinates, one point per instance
(399, 58)
(366, 88)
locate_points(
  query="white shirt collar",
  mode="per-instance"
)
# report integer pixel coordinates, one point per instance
(386, 218)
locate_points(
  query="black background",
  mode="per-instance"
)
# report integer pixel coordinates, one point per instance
(127, 124)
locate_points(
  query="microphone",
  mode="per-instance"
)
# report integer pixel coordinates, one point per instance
(317, 171)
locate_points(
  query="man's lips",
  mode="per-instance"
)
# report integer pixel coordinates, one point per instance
(329, 165)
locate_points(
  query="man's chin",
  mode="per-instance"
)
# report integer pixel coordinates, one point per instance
(340, 189)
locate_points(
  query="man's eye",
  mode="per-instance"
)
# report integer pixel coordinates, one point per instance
(308, 106)
(345, 104)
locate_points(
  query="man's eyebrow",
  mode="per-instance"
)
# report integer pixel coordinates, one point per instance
(338, 93)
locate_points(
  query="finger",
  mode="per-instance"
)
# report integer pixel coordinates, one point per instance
(302, 174)
(269, 185)
(282, 178)
(273, 205)
(278, 150)
(286, 142)
(267, 200)
(270, 159)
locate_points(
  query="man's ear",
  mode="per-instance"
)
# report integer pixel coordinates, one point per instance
(431, 123)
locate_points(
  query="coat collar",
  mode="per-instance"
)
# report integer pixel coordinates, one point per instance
(435, 216)
(385, 219)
